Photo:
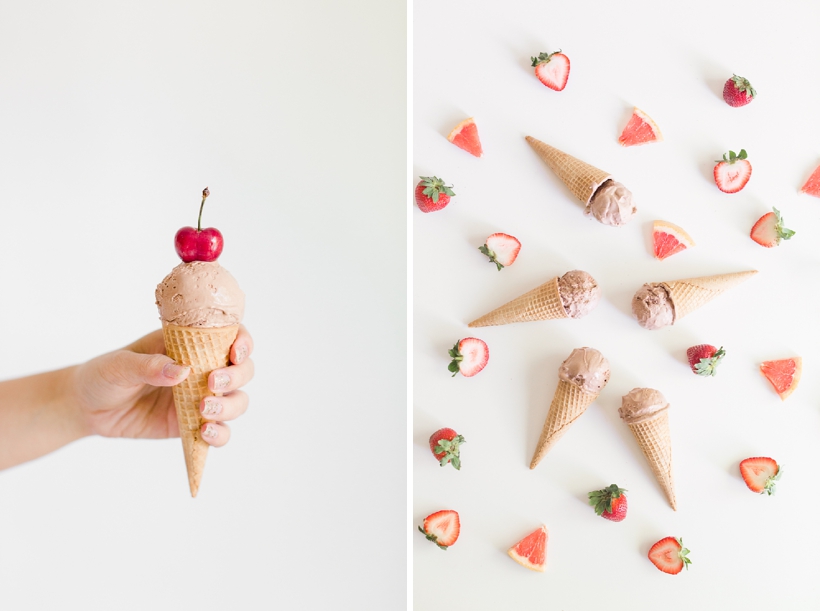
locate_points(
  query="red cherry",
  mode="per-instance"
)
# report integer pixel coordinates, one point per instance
(193, 245)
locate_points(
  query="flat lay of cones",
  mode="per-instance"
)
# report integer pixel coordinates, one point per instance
(541, 303)
(690, 294)
(656, 444)
(568, 403)
(580, 177)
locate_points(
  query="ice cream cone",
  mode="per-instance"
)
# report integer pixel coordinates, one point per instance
(689, 294)
(569, 402)
(656, 444)
(580, 177)
(203, 349)
(541, 303)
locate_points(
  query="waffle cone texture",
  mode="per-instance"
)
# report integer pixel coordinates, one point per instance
(203, 350)
(568, 403)
(541, 303)
(690, 294)
(579, 177)
(656, 444)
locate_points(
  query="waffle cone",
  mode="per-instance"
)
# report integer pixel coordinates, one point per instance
(580, 177)
(688, 295)
(569, 402)
(203, 350)
(541, 303)
(656, 444)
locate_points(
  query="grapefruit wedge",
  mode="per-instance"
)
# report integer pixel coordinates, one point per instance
(812, 186)
(465, 136)
(669, 239)
(531, 551)
(784, 374)
(641, 129)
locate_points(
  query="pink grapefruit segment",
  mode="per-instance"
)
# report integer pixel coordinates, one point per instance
(812, 186)
(465, 136)
(641, 129)
(784, 374)
(531, 551)
(669, 239)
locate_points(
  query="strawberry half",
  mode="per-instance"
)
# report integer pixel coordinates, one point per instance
(609, 503)
(432, 194)
(738, 91)
(444, 444)
(552, 69)
(704, 359)
(769, 230)
(732, 174)
(502, 249)
(470, 355)
(669, 555)
(760, 474)
(442, 528)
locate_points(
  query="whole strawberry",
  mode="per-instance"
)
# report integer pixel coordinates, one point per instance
(432, 194)
(609, 503)
(552, 69)
(738, 91)
(704, 359)
(445, 445)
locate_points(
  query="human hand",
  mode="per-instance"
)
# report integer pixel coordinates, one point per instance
(127, 393)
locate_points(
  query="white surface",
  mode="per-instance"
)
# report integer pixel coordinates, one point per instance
(671, 61)
(113, 117)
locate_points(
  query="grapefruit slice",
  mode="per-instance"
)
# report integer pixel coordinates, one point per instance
(465, 136)
(531, 551)
(812, 186)
(641, 129)
(784, 374)
(669, 239)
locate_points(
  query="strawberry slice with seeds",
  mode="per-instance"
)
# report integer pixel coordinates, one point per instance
(760, 474)
(732, 174)
(446, 447)
(502, 249)
(470, 355)
(768, 231)
(442, 528)
(704, 359)
(669, 555)
(552, 69)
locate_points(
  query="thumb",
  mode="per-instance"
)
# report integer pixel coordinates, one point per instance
(154, 369)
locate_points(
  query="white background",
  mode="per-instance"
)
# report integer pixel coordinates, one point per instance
(671, 61)
(113, 117)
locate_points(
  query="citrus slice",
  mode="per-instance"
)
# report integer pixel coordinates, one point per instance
(784, 374)
(465, 136)
(531, 551)
(669, 239)
(812, 186)
(641, 129)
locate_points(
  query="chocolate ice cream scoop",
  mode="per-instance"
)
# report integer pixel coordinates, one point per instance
(579, 293)
(640, 404)
(652, 306)
(586, 368)
(611, 204)
(200, 294)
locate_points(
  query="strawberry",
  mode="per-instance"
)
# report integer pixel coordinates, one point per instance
(442, 528)
(502, 249)
(552, 69)
(669, 555)
(760, 474)
(732, 174)
(609, 503)
(704, 359)
(470, 355)
(738, 91)
(769, 230)
(444, 444)
(432, 194)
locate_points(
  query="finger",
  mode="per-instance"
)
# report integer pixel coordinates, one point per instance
(130, 369)
(229, 407)
(242, 346)
(227, 379)
(216, 433)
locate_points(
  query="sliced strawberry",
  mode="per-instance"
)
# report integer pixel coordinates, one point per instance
(465, 136)
(732, 174)
(760, 474)
(669, 555)
(812, 186)
(442, 528)
(609, 503)
(552, 69)
(445, 445)
(432, 194)
(470, 355)
(502, 249)
(704, 359)
(738, 91)
(768, 231)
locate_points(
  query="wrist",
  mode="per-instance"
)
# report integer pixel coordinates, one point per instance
(66, 399)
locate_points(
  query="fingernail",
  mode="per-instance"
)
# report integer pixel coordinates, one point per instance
(212, 407)
(210, 431)
(241, 353)
(174, 371)
(221, 380)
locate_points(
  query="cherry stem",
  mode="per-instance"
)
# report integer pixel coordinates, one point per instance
(205, 194)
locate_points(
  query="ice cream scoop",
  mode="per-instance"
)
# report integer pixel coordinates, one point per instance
(200, 294)
(611, 204)
(652, 307)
